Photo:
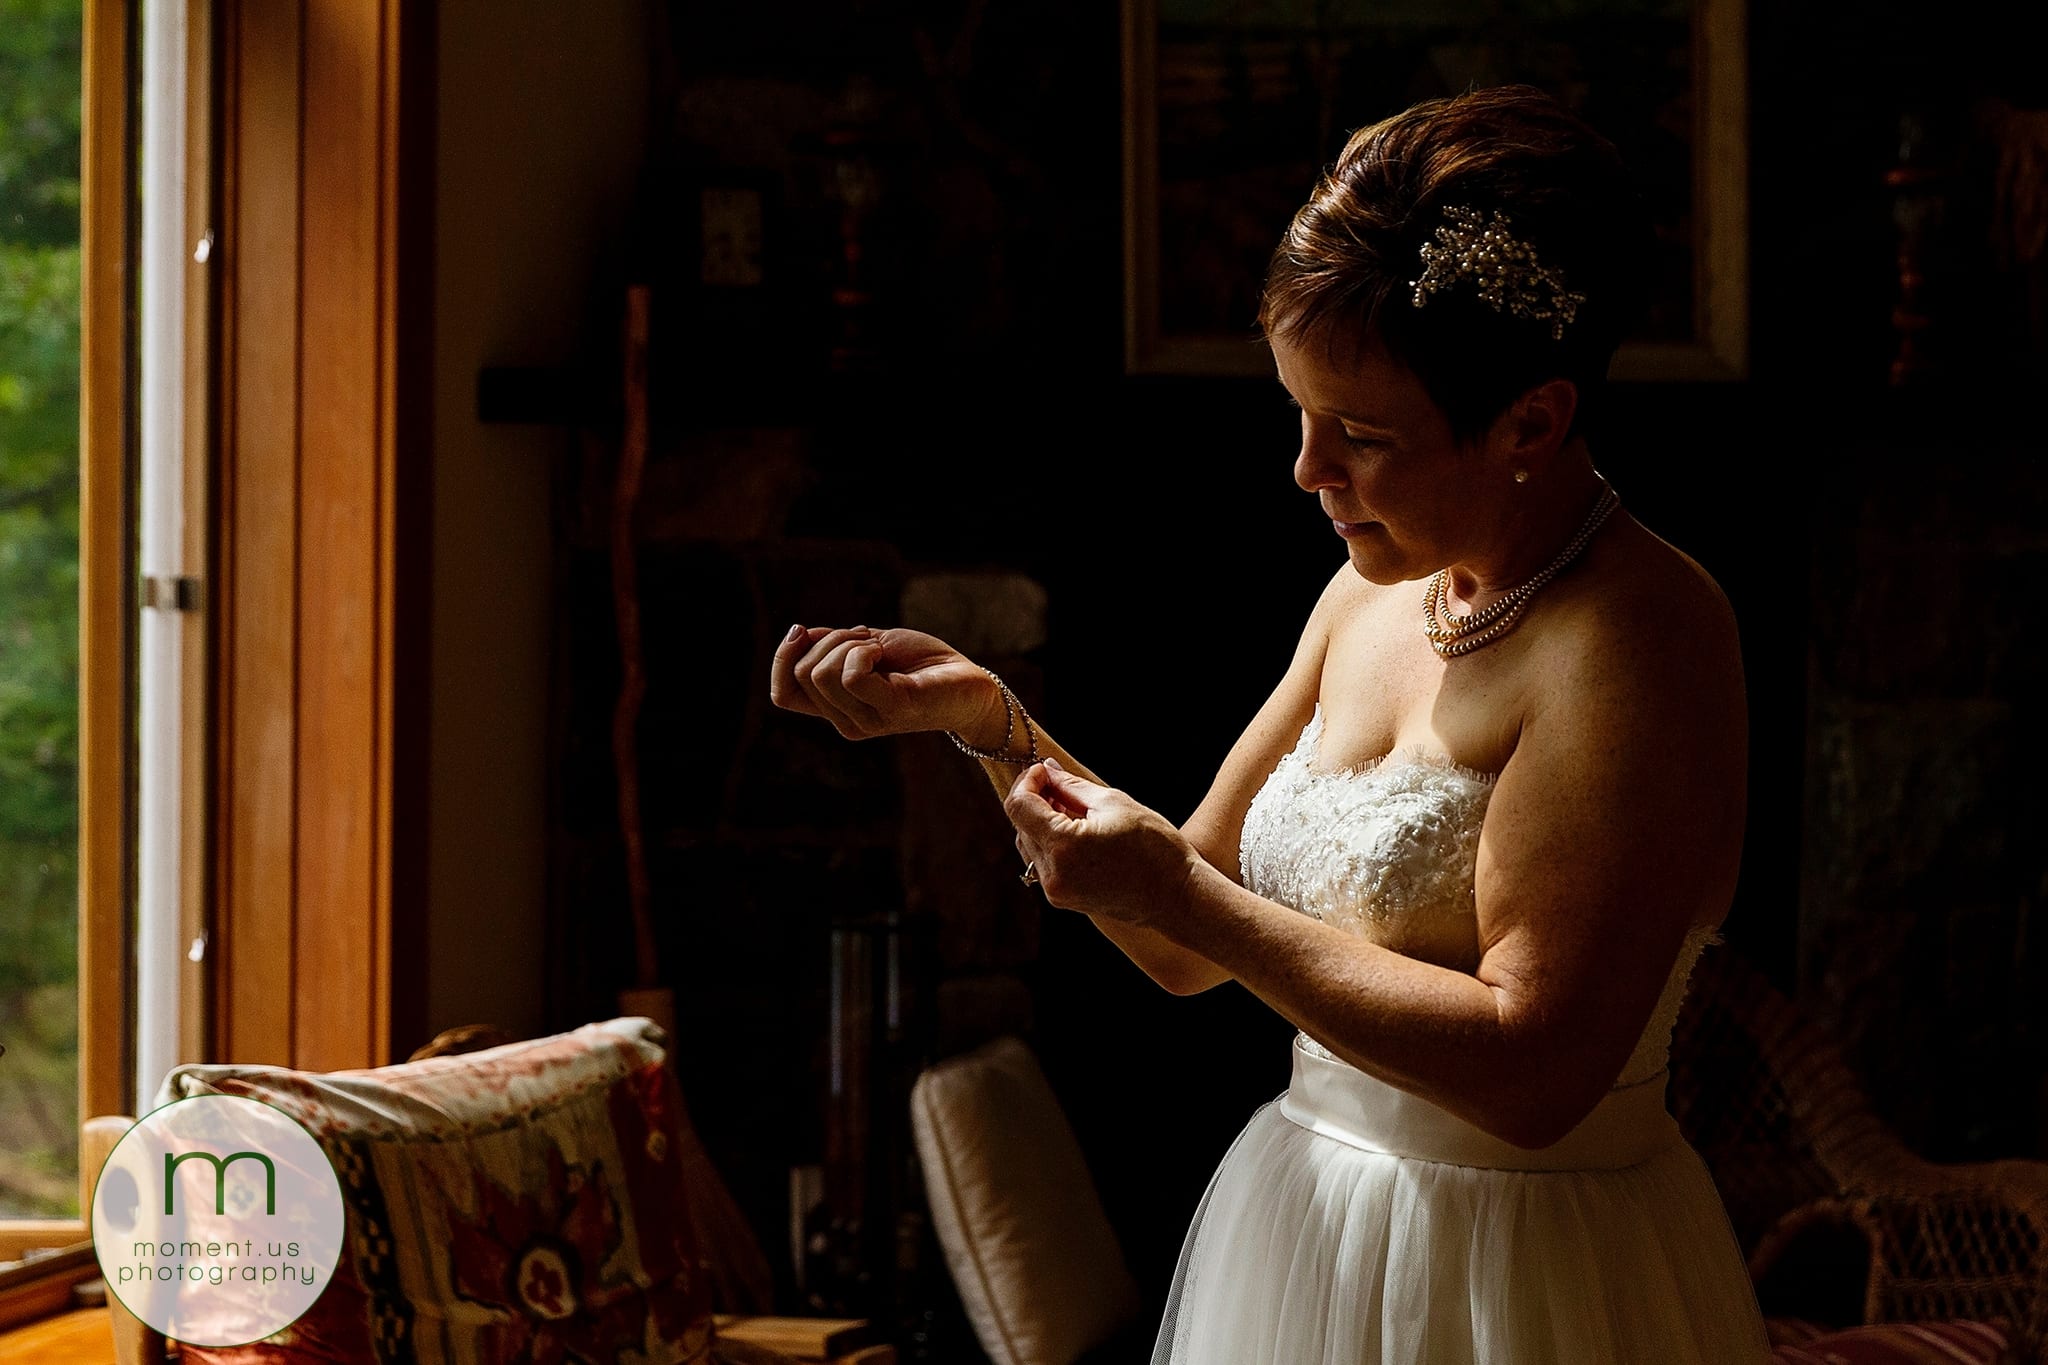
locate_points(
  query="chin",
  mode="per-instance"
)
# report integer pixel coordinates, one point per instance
(1377, 569)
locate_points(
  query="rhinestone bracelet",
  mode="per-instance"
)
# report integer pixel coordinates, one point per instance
(1012, 708)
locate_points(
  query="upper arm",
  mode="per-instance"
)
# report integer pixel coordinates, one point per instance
(1615, 826)
(1218, 822)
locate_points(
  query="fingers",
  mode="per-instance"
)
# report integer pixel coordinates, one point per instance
(1070, 794)
(1047, 780)
(825, 670)
(858, 683)
(865, 684)
(1046, 819)
(784, 690)
(1025, 805)
(1037, 807)
(1063, 799)
(1031, 783)
(811, 672)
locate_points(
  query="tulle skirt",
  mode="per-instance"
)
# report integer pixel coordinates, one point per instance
(1353, 1223)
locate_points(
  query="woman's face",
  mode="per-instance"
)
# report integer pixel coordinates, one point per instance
(1379, 455)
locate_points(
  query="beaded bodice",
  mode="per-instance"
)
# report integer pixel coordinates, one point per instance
(1388, 851)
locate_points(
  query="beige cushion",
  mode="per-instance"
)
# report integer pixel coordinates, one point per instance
(1035, 1260)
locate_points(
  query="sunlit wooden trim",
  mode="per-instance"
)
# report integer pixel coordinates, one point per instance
(107, 597)
(335, 996)
(195, 723)
(322, 515)
(19, 1235)
(43, 1287)
(407, 121)
(384, 458)
(256, 584)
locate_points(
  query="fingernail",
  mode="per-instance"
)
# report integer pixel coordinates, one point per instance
(794, 631)
(1054, 764)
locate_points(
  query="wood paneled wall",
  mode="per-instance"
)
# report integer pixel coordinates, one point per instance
(325, 371)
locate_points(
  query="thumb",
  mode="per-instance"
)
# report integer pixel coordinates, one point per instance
(1063, 778)
(1068, 793)
(871, 684)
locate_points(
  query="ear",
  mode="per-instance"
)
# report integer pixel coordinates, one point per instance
(1533, 428)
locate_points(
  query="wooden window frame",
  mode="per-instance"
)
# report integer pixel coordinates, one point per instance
(320, 593)
(308, 411)
(107, 605)
(42, 1288)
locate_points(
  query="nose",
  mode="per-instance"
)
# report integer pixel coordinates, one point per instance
(1316, 466)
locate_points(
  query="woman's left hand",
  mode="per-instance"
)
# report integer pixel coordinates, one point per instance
(1095, 849)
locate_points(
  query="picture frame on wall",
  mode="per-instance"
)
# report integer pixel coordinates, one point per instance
(1233, 108)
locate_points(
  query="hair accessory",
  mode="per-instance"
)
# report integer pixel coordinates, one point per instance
(1012, 708)
(1452, 635)
(1505, 266)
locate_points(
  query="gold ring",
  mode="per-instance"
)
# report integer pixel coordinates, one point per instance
(1029, 876)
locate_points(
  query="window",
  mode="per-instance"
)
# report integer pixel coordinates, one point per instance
(278, 187)
(66, 597)
(41, 71)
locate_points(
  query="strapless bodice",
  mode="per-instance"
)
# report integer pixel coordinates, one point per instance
(1388, 851)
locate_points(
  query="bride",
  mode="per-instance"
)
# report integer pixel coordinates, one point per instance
(1474, 841)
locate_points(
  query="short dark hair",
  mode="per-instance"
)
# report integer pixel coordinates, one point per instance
(1344, 271)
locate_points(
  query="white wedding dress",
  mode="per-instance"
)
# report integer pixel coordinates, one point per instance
(1354, 1223)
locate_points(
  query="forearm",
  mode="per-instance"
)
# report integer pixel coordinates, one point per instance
(1002, 773)
(1172, 966)
(1431, 1030)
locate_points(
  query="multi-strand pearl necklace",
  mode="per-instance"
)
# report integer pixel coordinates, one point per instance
(1452, 635)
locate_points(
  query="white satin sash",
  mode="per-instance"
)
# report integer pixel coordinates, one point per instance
(1337, 1100)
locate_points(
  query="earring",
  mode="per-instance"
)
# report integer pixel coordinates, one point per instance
(1521, 476)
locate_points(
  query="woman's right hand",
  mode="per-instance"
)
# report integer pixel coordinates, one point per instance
(884, 682)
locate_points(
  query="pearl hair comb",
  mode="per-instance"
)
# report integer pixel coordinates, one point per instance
(1509, 276)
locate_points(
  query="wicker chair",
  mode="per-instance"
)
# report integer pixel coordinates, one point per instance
(1763, 1093)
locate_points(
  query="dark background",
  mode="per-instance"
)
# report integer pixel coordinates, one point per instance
(1883, 544)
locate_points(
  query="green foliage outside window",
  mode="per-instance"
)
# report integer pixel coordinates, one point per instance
(40, 79)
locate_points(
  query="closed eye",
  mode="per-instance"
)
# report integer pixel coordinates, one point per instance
(1350, 439)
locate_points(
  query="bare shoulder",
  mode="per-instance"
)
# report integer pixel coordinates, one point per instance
(1636, 701)
(1648, 622)
(1348, 599)
(1616, 825)
(1636, 690)
(1693, 592)
(1349, 595)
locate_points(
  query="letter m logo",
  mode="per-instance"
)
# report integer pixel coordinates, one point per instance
(220, 1179)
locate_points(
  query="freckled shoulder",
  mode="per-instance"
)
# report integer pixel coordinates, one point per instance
(1353, 596)
(1642, 679)
(1632, 762)
(1642, 600)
